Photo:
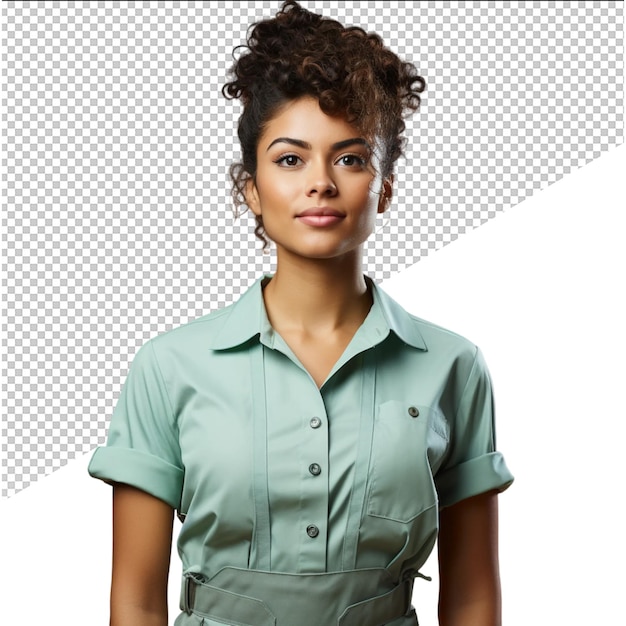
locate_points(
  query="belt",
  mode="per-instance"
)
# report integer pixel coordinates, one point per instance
(364, 597)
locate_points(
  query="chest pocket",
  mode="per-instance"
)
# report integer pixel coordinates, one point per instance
(408, 442)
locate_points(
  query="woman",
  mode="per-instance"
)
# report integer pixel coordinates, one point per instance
(314, 436)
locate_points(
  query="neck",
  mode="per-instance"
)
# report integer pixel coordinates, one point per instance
(317, 295)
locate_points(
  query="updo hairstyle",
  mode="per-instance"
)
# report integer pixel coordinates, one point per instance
(349, 71)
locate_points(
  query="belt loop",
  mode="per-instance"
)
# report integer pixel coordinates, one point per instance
(408, 590)
(187, 595)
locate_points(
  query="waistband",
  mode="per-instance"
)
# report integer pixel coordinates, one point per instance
(365, 597)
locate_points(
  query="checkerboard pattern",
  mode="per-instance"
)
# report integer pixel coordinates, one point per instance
(117, 220)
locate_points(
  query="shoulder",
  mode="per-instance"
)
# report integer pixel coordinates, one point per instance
(204, 327)
(436, 340)
(437, 337)
(192, 337)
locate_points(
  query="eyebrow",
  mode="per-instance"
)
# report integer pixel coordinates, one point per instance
(307, 146)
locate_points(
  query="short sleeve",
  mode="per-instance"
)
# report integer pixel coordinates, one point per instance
(472, 465)
(142, 446)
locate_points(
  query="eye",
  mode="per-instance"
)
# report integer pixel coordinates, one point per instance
(351, 160)
(287, 160)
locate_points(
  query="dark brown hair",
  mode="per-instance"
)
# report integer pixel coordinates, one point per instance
(349, 71)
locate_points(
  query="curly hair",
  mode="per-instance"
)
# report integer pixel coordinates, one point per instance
(349, 71)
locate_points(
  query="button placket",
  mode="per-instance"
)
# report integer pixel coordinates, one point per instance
(314, 512)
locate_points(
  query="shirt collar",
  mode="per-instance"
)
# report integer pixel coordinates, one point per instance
(398, 320)
(247, 318)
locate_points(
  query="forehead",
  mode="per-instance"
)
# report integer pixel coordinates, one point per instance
(304, 119)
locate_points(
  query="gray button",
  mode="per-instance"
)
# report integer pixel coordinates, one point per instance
(312, 531)
(315, 422)
(315, 469)
(413, 411)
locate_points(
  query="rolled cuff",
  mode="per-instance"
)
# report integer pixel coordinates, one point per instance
(138, 469)
(478, 475)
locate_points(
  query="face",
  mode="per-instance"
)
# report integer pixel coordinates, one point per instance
(317, 187)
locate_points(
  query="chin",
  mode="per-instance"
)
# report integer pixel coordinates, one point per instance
(319, 252)
(319, 248)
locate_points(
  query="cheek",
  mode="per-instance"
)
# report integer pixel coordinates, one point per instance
(276, 195)
(365, 223)
(371, 200)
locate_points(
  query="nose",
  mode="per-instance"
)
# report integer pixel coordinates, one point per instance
(320, 181)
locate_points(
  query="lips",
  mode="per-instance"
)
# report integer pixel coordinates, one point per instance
(320, 216)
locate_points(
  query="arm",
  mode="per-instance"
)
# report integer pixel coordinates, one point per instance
(469, 578)
(142, 541)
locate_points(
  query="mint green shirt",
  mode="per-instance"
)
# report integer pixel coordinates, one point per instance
(219, 419)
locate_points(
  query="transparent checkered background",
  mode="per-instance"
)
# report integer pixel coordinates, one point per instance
(117, 221)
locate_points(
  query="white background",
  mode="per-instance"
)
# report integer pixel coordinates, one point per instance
(541, 289)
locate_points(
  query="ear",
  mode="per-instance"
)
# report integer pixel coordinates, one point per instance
(385, 194)
(252, 197)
